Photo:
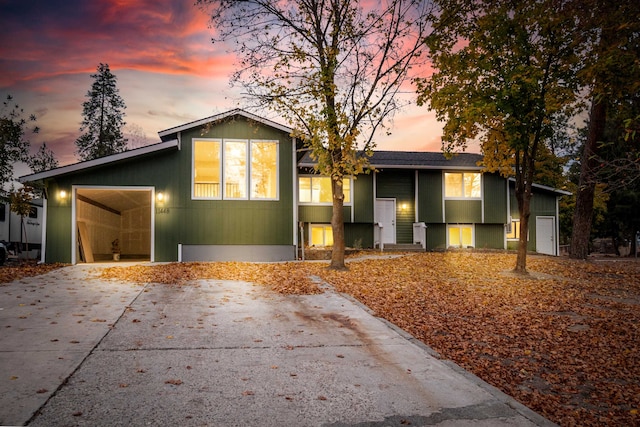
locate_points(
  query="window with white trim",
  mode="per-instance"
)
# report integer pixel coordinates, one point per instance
(513, 230)
(462, 185)
(235, 169)
(316, 189)
(460, 235)
(320, 235)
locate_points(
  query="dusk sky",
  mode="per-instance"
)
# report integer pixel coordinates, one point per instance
(168, 71)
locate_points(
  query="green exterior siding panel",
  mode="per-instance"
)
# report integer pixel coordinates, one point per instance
(436, 236)
(463, 211)
(430, 196)
(495, 199)
(489, 236)
(358, 235)
(363, 198)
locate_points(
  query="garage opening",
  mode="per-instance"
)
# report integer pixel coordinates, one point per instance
(113, 224)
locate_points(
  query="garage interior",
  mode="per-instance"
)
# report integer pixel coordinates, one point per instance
(113, 224)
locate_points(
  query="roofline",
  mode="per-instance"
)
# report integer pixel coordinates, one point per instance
(80, 166)
(547, 188)
(421, 167)
(221, 116)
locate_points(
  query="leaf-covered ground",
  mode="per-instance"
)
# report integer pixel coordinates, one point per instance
(565, 341)
(11, 272)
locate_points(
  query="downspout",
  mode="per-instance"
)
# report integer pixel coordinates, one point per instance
(43, 236)
(415, 199)
(509, 222)
(556, 225)
(294, 186)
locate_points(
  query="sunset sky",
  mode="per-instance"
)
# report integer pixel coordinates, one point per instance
(167, 69)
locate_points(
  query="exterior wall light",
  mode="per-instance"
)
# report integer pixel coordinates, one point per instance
(160, 196)
(62, 194)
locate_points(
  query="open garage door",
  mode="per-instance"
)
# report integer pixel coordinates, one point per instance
(113, 220)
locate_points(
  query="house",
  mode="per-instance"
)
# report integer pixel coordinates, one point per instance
(236, 186)
(431, 200)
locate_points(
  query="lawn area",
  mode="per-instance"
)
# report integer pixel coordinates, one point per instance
(564, 341)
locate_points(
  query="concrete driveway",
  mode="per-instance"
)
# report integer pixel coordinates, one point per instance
(76, 350)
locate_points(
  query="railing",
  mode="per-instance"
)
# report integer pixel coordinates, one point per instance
(208, 190)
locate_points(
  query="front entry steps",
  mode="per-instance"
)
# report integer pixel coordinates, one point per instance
(402, 247)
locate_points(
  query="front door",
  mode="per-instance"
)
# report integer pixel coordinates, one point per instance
(385, 214)
(545, 235)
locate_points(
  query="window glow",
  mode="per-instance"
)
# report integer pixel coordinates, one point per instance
(264, 170)
(317, 189)
(321, 235)
(467, 185)
(206, 169)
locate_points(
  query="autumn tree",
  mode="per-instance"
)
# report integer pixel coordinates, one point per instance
(21, 205)
(504, 76)
(103, 118)
(611, 74)
(14, 143)
(331, 68)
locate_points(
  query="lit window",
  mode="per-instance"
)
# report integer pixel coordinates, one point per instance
(465, 185)
(264, 169)
(513, 232)
(206, 169)
(235, 169)
(317, 189)
(321, 235)
(460, 236)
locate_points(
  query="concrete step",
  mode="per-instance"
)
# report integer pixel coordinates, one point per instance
(403, 247)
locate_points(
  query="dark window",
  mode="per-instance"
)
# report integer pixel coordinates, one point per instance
(2, 212)
(33, 213)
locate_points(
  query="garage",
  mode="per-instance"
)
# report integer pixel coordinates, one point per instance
(112, 223)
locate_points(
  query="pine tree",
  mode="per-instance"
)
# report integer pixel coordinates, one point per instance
(103, 116)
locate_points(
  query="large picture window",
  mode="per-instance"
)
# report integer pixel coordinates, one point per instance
(206, 168)
(235, 169)
(264, 170)
(317, 190)
(462, 185)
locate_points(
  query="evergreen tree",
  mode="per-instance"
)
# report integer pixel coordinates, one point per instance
(103, 116)
(14, 144)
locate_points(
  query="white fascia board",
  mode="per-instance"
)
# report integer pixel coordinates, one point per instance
(76, 167)
(222, 116)
(547, 188)
(421, 167)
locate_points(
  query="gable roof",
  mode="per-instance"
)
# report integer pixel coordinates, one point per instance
(222, 116)
(101, 161)
(413, 160)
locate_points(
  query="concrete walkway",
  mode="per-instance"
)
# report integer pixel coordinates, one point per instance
(76, 350)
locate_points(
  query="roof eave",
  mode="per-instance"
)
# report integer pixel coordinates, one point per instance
(77, 167)
(221, 116)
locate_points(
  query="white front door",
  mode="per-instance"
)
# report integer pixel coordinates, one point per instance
(545, 235)
(385, 214)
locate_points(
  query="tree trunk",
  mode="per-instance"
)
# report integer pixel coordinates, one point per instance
(583, 214)
(525, 213)
(337, 225)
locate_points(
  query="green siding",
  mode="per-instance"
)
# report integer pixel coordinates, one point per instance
(355, 232)
(436, 237)
(463, 211)
(430, 196)
(495, 199)
(490, 236)
(399, 184)
(363, 198)
(321, 214)
(181, 219)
